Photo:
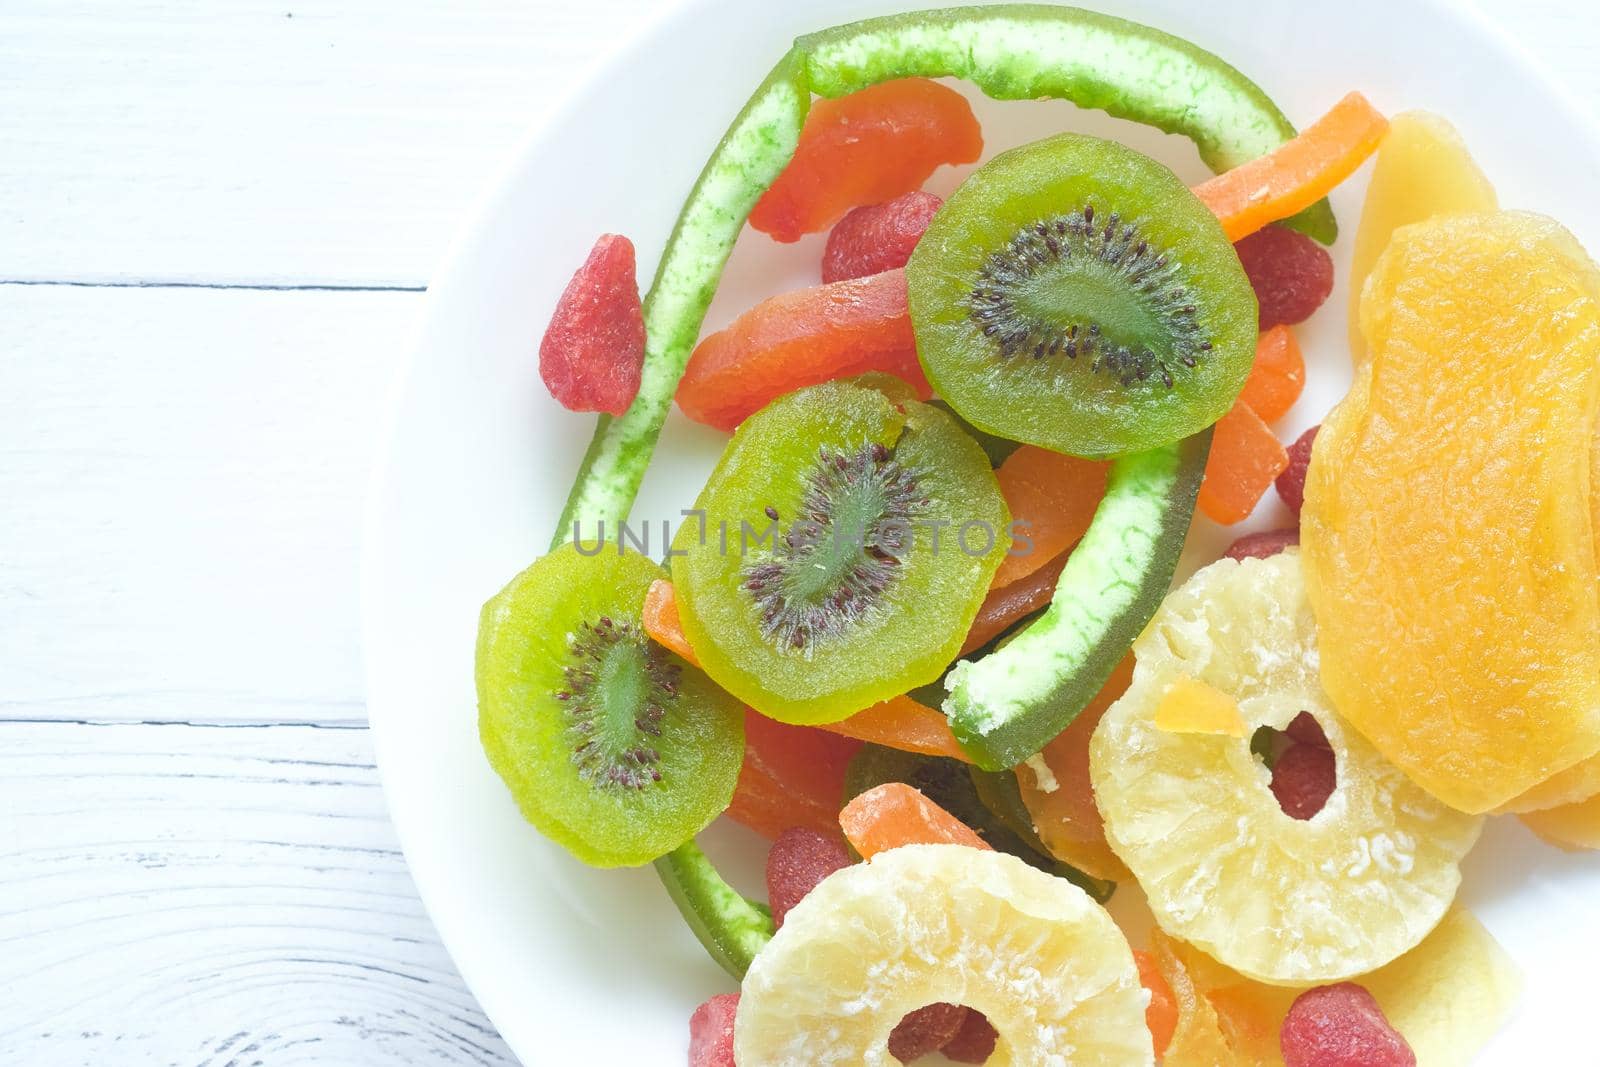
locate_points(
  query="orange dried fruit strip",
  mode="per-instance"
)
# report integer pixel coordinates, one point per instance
(802, 338)
(1052, 499)
(902, 723)
(1297, 173)
(895, 814)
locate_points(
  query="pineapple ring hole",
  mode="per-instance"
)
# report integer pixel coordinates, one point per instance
(1300, 763)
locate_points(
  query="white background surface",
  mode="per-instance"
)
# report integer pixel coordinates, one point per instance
(216, 220)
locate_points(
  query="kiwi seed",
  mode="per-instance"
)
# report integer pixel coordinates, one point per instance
(832, 566)
(616, 685)
(1009, 303)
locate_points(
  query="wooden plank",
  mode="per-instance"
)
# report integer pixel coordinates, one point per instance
(214, 895)
(184, 473)
(334, 141)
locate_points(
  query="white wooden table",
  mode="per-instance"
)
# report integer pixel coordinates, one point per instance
(216, 223)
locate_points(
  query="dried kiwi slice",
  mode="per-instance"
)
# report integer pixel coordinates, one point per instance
(1075, 294)
(844, 544)
(613, 747)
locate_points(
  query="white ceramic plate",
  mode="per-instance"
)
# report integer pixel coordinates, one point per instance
(583, 966)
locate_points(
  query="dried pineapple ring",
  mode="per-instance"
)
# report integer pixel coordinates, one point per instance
(1278, 899)
(929, 923)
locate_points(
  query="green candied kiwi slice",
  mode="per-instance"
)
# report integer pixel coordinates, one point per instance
(613, 747)
(1007, 706)
(843, 545)
(1075, 294)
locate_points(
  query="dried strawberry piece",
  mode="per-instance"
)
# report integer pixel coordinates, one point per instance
(1341, 1026)
(1263, 544)
(871, 240)
(1292, 482)
(1305, 729)
(593, 350)
(1303, 778)
(975, 1042)
(711, 1032)
(800, 859)
(1292, 274)
(925, 1031)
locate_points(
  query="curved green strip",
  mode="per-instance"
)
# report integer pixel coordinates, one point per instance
(732, 928)
(755, 149)
(1008, 705)
(1034, 51)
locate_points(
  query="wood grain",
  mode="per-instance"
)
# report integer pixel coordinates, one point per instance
(214, 895)
(184, 475)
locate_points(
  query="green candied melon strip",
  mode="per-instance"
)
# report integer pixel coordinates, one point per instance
(732, 928)
(755, 149)
(1033, 51)
(1007, 706)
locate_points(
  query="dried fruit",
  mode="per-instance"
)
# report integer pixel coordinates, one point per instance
(1193, 817)
(812, 587)
(1292, 482)
(593, 350)
(1447, 530)
(925, 1031)
(878, 237)
(1052, 499)
(1262, 544)
(1190, 706)
(1197, 1036)
(1423, 169)
(1291, 274)
(1278, 375)
(611, 746)
(1574, 827)
(928, 924)
(792, 776)
(798, 339)
(974, 1042)
(1161, 1016)
(1298, 172)
(1303, 777)
(1341, 1026)
(1059, 794)
(1245, 458)
(866, 148)
(711, 1032)
(1013, 602)
(799, 860)
(1074, 294)
(894, 815)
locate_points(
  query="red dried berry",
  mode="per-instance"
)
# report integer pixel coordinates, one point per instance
(871, 240)
(1303, 779)
(800, 859)
(1306, 730)
(1292, 482)
(1262, 545)
(975, 1042)
(593, 350)
(1341, 1026)
(925, 1031)
(1292, 274)
(711, 1032)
